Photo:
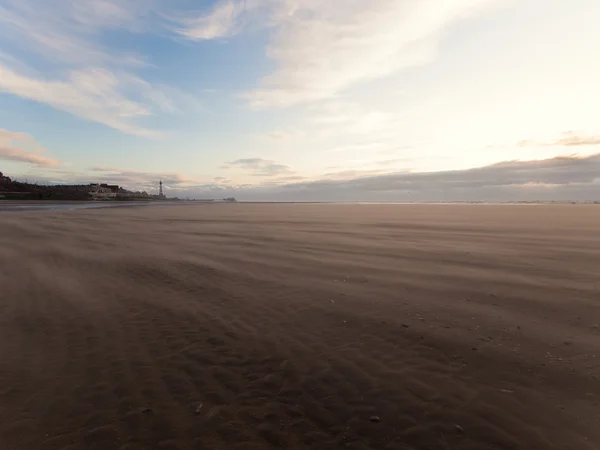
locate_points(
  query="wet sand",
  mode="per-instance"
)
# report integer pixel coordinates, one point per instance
(301, 326)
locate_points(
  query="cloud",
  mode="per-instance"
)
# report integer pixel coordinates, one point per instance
(339, 127)
(21, 155)
(111, 13)
(315, 43)
(353, 173)
(344, 117)
(391, 162)
(281, 135)
(290, 178)
(569, 139)
(467, 184)
(139, 179)
(574, 141)
(12, 149)
(130, 179)
(64, 30)
(259, 167)
(358, 148)
(80, 76)
(219, 22)
(562, 178)
(98, 95)
(322, 48)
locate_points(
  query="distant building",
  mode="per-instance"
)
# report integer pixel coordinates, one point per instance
(103, 191)
(113, 187)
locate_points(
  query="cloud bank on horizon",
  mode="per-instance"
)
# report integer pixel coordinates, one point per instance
(305, 99)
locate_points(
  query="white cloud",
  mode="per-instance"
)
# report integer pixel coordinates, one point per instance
(13, 147)
(344, 117)
(86, 79)
(569, 139)
(98, 95)
(322, 48)
(109, 13)
(218, 23)
(360, 147)
(328, 132)
(64, 30)
(340, 120)
(139, 179)
(259, 167)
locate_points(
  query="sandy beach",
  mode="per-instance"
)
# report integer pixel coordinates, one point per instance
(301, 326)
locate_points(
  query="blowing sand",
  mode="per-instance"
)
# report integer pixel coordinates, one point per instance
(301, 326)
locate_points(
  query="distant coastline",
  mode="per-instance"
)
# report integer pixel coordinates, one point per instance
(98, 192)
(11, 190)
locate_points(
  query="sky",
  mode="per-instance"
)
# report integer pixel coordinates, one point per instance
(304, 100)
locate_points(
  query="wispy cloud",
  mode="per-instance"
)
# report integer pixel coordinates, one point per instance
(98, 95)
(345, 117)
(136, 178)
(359, 147)
(391, 162)
(362, 128)
(64, 30)
(22, 155)
(353, 173)
(131, 14)
(86, 79)
(21, 147)
(341, 129)
(569, 139)
(315, 43)
(259, 167)
(220, 21)
(575, 141)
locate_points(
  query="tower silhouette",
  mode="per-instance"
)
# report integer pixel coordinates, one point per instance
(160, 190)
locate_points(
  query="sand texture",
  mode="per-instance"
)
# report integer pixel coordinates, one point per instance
(302, 327)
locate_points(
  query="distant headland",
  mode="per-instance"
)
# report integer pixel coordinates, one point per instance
(18, 190)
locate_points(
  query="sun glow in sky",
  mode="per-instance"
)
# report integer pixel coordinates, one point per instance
(304, 99)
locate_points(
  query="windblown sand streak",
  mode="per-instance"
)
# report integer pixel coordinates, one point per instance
(301, 326)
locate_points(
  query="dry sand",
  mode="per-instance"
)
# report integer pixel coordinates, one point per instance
(301, 326)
